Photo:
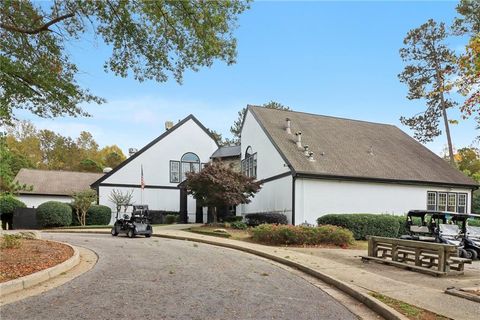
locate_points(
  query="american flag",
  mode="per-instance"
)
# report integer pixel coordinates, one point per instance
(142, 182)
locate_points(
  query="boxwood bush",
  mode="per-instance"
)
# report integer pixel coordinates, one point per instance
(232, 219)
(98, 215)
(255, 219)
(302, 235)
(171, 218)
(238, 225)
(364, 224)
(54, 214)
(8, 204)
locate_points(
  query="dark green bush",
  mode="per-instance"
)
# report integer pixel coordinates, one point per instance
(255, 219)
(8, 204)
(238, 225)
(98, 215)
(54, 214)
(232, 219)
(364, 224)
(171, 218)
(302, 235)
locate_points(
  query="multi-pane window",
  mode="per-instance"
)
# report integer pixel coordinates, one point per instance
(447, 201)
(431, 200)
(452, 202)
(175, 171)
(462, 203)
(189, 162)
(249, 164)
(442, 201)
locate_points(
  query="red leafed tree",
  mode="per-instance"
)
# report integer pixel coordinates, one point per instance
(218, 185)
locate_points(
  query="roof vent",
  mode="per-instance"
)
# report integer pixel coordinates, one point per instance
(168, 125)
(288, 129)
(132, 151)
(305, 151)
(107, 170)
(299, 139)
(310, 156)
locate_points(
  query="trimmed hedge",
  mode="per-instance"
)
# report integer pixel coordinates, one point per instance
(302, 235)
(158, 216)
(256, 219)
(8, 204)
(171, 218)
(54, 214)
(364, 224)
(232, 219)
(98, 215)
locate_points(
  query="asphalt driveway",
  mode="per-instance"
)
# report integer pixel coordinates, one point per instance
(169, 279)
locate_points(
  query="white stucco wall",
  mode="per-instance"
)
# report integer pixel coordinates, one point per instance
(189, 137)
(275, 196)
(36, 200)
(269, 161)
(314, 198)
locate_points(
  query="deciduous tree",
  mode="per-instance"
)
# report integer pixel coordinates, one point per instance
(149, 39)
(81, 202)
(217, 185)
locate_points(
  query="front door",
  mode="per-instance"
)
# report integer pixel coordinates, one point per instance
(183, 206)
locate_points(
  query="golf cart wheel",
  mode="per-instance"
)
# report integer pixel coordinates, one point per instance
(130, 233)
(148, 235)
(462, 253)
(114, 232)
(471, 254)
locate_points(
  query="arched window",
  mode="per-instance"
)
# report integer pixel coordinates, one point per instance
(190, 162)
(249, 164)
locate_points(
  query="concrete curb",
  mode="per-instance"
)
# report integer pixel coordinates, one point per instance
(375, 305)
(40, 276)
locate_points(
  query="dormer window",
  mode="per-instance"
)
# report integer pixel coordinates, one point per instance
(249, 163)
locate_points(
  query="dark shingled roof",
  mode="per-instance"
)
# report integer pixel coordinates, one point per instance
(51, 182)
(355, 149)
(227, 152)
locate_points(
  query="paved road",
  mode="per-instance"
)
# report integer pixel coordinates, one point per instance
(169, 279)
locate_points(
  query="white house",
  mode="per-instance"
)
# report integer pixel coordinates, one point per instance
(312, 165)
(52, 185)
(183, 148)
(334, 166)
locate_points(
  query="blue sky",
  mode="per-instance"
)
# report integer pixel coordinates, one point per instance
(332, 58)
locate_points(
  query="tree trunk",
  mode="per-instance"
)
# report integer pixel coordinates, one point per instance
(447, 132)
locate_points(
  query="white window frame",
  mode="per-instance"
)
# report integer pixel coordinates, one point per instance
(463, 196)
(446, 201)
(429, 205)
(454, 205)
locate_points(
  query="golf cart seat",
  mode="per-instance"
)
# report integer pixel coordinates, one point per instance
(419, 229)
(474, 234)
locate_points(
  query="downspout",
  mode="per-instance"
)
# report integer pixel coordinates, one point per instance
(294, 178)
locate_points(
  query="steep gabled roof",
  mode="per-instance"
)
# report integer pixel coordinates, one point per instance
(227, 152)
(50, 182)
(163, 135)
(354, 149)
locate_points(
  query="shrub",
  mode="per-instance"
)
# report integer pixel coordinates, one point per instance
(238, 225)
(11, 241)
(158, 216)
(98, 215)
(232, 219)
(54, 214)
(255, 219)
(363, 225)
(8, 204)
(302, 235)
(171, 218)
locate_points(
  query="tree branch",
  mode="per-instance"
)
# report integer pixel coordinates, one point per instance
(39, 29)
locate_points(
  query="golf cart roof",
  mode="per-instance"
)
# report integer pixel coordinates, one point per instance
(435, 213)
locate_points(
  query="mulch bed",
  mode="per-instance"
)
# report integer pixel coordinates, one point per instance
(31, 257)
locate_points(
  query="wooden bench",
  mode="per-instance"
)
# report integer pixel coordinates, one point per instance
(436, 259)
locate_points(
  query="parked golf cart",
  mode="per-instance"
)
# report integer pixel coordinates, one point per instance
(432, 226)
(470, 234)
(136, 224)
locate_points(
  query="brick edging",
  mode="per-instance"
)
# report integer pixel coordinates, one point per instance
(40, 276)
